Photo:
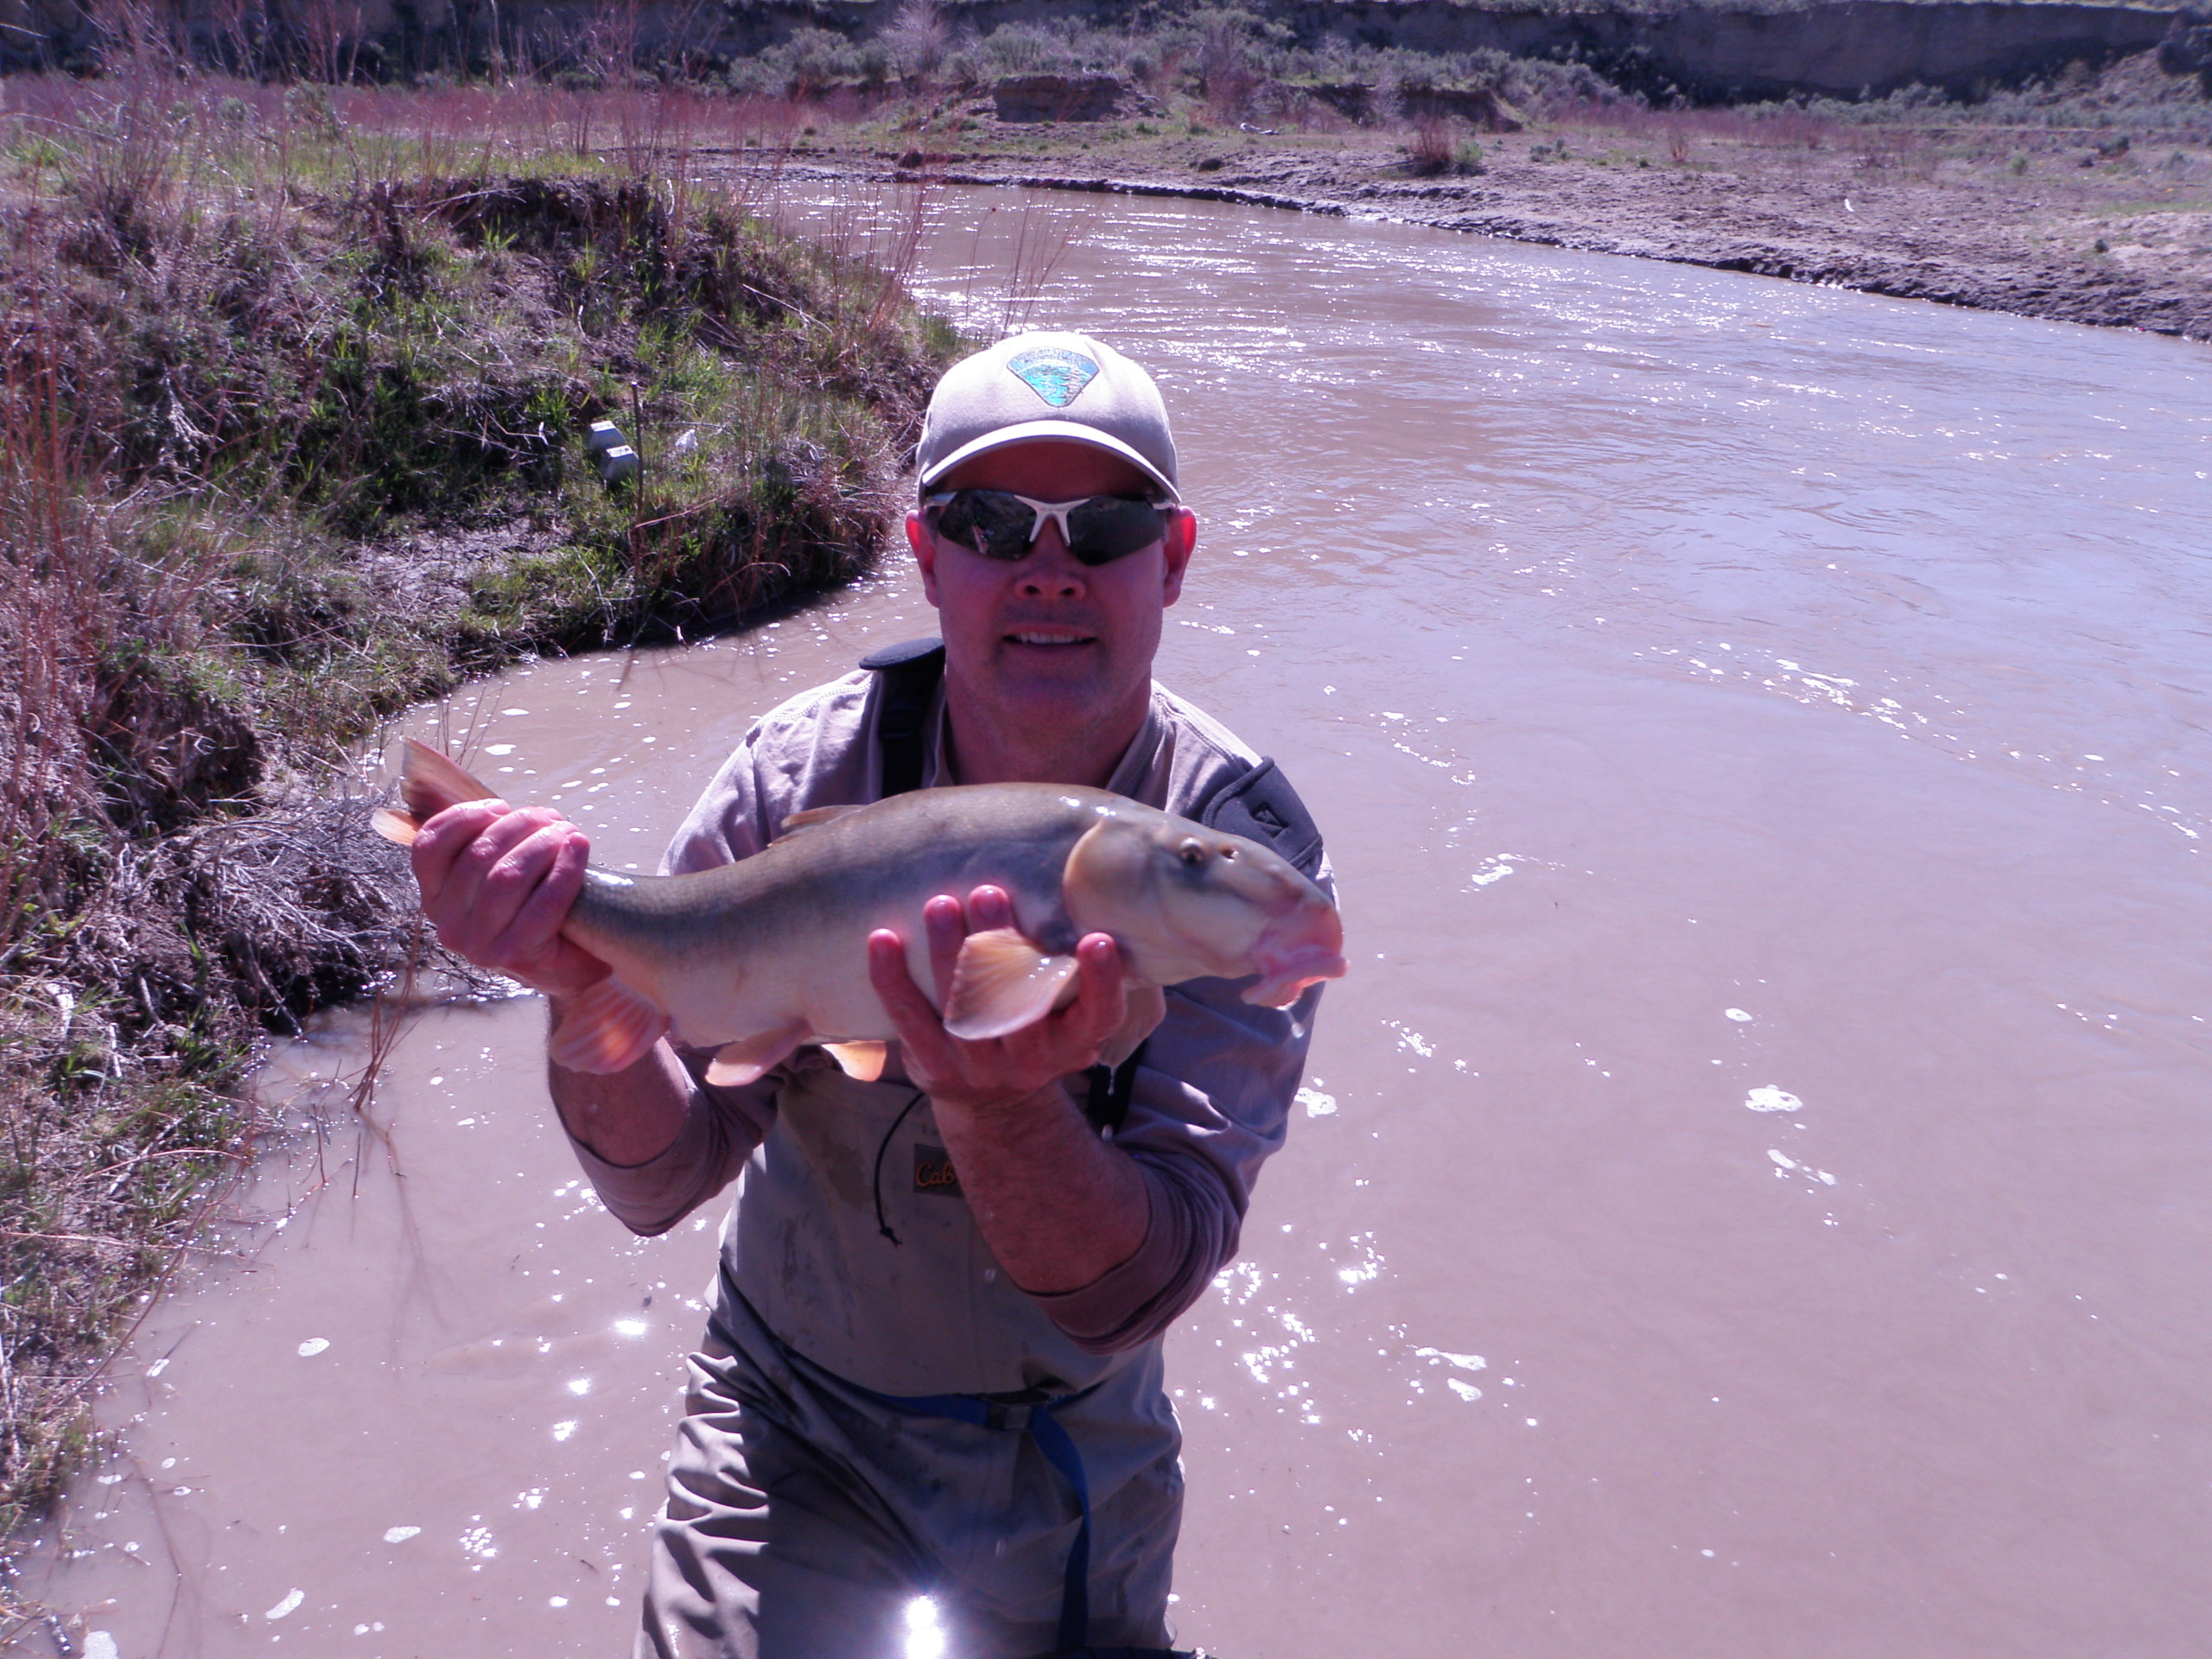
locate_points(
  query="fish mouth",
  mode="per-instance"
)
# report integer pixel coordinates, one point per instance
(1297, 949)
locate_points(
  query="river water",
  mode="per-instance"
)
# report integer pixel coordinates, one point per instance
(1751, 1194)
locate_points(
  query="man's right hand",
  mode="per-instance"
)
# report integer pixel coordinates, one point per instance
(497, 884)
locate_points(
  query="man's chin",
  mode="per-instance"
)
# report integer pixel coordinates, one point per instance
(1077, 662)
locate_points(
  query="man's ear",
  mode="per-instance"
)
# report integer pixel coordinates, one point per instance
(1176, 547)
(925, 546)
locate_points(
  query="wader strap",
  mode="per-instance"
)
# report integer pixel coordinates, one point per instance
(1035, 1419)
(1106, 1103)
(910, 673)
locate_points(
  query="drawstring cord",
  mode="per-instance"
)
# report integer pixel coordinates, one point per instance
(882, 1221)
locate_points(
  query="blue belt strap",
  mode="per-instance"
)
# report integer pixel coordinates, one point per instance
(1053, 1440)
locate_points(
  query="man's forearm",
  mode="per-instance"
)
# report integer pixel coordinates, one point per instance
(1059, 1208)
(626, 1117)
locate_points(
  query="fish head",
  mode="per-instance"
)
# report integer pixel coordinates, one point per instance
(1185, 902)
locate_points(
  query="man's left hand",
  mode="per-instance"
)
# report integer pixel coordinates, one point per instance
(999, 1073)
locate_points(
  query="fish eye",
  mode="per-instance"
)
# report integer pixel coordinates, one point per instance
(1193, 851)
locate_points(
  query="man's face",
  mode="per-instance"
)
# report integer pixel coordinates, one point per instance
(1045, 641)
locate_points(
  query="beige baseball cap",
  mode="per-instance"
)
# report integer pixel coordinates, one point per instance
(1047, 385)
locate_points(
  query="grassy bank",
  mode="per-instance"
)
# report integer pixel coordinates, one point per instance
(294, 389)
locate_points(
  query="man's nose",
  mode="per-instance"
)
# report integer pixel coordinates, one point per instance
(1051, 571)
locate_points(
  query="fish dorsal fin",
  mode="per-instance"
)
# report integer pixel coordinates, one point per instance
(862, 1061)
(1002, 983)
(812, 815)
(746, 1060)
(608, 1028)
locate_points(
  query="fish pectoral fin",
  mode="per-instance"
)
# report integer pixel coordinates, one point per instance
(1002, 983)
(862, 1061)
(608, 1028)
(1147, 1006)
(812, 815)
(744, 1061)
(402, 827)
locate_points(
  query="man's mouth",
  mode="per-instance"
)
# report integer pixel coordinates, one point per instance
(1050, 638)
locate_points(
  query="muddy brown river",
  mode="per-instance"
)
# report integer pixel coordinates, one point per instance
(1751, 1195)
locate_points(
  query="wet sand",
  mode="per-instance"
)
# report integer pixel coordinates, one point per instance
(1748, 1199)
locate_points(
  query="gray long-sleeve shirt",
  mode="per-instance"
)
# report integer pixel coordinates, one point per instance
(847, 1238)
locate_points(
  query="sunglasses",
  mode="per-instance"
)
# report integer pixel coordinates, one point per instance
(999, 525)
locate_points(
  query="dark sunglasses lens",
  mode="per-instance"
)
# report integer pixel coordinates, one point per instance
(999, 525)
(993, 522)
(1109, 527)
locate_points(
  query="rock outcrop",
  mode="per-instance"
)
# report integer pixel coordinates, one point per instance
(1066, 97)
(2187, 50)
(1480, 107)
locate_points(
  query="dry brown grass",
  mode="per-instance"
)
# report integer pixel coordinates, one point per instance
(292, 386)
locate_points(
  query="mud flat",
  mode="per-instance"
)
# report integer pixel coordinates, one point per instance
(2093, 224)
(2086, 199)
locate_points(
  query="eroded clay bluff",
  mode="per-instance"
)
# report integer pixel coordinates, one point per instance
(1711, 54)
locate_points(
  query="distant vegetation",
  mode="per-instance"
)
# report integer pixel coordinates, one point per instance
(1236, 62)
(294, 387)
(1231, 64)
(1247, 64)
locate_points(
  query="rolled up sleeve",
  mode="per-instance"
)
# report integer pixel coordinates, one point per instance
(721, 1128)
(1211, 1101)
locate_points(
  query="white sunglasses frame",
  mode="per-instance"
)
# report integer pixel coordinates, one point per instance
(1056, 510)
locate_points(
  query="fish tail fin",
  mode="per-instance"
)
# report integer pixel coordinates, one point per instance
(429, 783)
(608, 1028)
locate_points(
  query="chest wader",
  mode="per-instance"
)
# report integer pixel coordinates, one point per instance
(910, 674)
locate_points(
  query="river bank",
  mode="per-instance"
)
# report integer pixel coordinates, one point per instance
(295, 402)
(2102, 215)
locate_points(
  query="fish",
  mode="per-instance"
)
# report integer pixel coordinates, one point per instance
(756, 959)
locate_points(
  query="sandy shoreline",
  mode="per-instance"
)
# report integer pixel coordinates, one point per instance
(2000, 220)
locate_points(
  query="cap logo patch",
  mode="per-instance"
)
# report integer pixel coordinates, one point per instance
(1055, 374)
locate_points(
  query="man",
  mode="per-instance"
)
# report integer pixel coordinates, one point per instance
(933, 1368)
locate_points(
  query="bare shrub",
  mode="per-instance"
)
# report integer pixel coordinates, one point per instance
(1386, 100)
(1228, 77)
(918, 38)
(1431, 146)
